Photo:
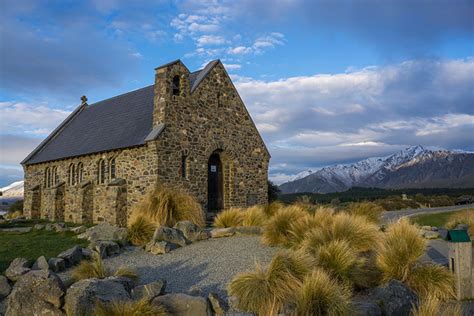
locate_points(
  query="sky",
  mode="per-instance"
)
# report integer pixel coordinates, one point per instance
(326, 82)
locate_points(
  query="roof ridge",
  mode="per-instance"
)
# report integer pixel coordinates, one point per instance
(121, 95)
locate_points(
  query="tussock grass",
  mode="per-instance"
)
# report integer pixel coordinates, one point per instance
(464, 217)
(431, 280)
(371, 211)
(276, 230)
(254, 216)
(266, 291)
(130, 308)
(432, 306)
(13, 215)
(338, 259)
(95, 268)
(403, 246)
(140, 231)
(272, 208)
(302, 225)
(321, 295)
(167, 206)
(229, 218)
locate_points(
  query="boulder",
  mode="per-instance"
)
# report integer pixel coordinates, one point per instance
(431, 235)
(17, 268)
(40, 264)
(78, 229)
(105, 248)
(394, 298)
(426, 227)
(57, 264)
(39, 292)
(60, 227)
(222, 232)
(49, 227)
(5, 287)
(149, 291)
(106, 232)
(170, 235)
(38, 227)
(195, 291)
(72, 256)
(191, 231)
(82, 296)
(184, 305)
(362, 307)
(86, 253)
(217, 305)
(160, 247)
(249, 230)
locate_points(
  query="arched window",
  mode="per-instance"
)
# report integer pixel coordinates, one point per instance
(46, 177)
(112, 169)
(176, 82)
(184, 166)
(55, 176)
(80, 172)
(72, 174)
(101, 171)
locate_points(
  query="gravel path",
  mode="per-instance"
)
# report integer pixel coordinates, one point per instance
(394, 215)
(208, 265)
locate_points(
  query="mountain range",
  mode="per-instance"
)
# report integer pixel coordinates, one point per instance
(13, 190)
(413, 167)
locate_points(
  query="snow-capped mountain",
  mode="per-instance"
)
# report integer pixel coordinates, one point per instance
(13, 190)
(412, 167)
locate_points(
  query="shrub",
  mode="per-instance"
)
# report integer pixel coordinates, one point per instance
(140, 231)
(266, 291)
(431, 280)
(130, 308)
(254, 216)
(320, 295)
(300, 227)
(369, 210)
(15, 214)
(431, 306)
(271, 208)
(276, 230)
(229, 218)
(464, 217)
(95, 269)
(16, 206)
(401, 249)
(167, 206)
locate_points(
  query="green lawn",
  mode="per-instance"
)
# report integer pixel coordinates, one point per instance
(438, 219)
(34, 244)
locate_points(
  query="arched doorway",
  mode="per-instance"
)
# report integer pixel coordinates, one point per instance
(215, 188)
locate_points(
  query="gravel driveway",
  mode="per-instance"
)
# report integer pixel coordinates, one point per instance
(208, 265)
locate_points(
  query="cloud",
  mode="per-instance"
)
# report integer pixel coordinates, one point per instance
(15, 148)
(232, 66)
(207, 40)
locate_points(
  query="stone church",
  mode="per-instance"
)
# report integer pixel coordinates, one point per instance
(188, 129)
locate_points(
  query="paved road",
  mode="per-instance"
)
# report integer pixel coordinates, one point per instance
(394, 215)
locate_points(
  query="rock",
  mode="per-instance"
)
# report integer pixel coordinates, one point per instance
(40, 264)
(18, 220)
(462, 227)
(105, 248)
(5, 287)
(105, 232)
(39, 292)
(195, 291)
(57, 264)
(222, 232)
(78, 229)
(394, 298)
(434, 228)
(86, 253)
(38, 227)
(49, 227)
(362, 307)
(160, 247)
(60, 227)
(249, 230)
(17, 268)
(191, 231)
(426, 227)
(82, 296)
(170, 235)
(17, 229)
(72, 256)
(149, 291)
(431, 235)
(184, 305)
(217, 305)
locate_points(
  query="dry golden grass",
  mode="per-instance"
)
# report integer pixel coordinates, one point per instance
(432, 306)
(464, 217)
(276, 230)
(369, 210)
(321, 295)
(401, 249)
(167, 206)
(266, 291)
(130, 308)
(13, 215)
(254, 216)
(431, 280)
(95, 268)
(140, 231)
(338, 259)
(229, 218)
(272, 208)
(302, 225)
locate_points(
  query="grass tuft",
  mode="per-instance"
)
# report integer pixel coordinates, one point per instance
(321, 295)
(229, 218)
(432, 280)
(276, 231)
(140, 231)
(432, 306)
(464, 217)
(403, 246)
(371, 211)
(166, 206)
(272, 208)
(130, 308)
(95, 268)
(254, 216)
(302, 225)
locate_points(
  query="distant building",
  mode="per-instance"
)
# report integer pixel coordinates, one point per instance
(189, 129)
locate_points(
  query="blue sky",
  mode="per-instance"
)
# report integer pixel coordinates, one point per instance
(325, 81)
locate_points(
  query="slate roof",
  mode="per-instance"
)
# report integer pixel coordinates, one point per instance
(119, 122)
